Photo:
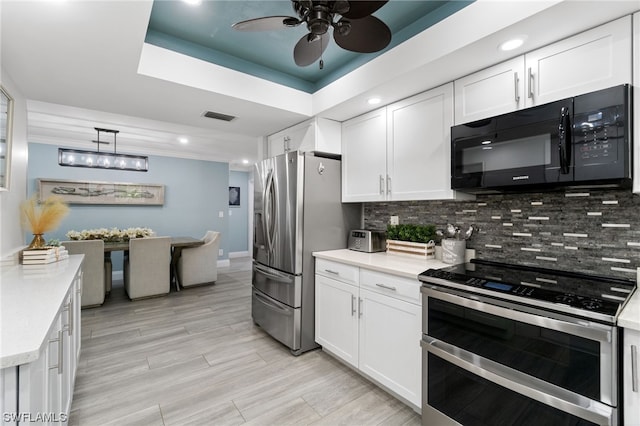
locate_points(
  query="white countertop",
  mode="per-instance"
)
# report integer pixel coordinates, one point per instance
(30, 298)
(383, 262)
(630, 316)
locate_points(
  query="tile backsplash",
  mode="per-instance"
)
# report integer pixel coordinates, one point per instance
(591, 231)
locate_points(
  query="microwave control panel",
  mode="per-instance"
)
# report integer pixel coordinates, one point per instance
(596, 136)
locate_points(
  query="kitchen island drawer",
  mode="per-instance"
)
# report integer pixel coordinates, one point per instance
(391, 285)
(338, 271)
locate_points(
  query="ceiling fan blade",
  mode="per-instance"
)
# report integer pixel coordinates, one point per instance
(309, 48)
(361, 8)
(367, 35)
(267, 23)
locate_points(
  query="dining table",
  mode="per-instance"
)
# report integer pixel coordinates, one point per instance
(177, 244)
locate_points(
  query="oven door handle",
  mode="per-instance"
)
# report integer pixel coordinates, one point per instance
(583, 328)
(531, 387)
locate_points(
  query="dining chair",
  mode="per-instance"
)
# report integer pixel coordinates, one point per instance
(93, 270)
(199, 265)
(147, 266)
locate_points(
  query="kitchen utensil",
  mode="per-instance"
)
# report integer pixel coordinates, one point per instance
(469, 232)
(450, 230)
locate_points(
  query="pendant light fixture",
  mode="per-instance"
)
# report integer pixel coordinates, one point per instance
(103, 160)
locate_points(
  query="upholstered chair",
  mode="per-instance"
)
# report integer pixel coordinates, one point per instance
(199, 265)
(147, 266)
(93, 270)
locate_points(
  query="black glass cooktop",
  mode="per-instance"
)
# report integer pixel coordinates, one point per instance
(581, 292)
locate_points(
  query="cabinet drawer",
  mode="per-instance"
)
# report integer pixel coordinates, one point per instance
(338, 271)
(391, 285)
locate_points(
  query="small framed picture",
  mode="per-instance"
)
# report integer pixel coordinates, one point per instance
(234, 196)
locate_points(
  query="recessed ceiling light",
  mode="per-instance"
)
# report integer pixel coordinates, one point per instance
(374, 101)
(245, 161)
(511, 44)
(183, 140)
(193, 2)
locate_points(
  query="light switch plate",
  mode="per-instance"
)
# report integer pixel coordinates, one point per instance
(220, 213)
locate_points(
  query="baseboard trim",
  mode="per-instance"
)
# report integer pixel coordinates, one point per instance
(233, 255)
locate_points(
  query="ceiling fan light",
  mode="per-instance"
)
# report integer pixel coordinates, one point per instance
(343, 27)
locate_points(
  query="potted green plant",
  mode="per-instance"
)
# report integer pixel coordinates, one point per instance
(412, 240)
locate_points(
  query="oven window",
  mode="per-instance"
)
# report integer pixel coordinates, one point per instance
(565, 360)
(474, 401)
(490, 155)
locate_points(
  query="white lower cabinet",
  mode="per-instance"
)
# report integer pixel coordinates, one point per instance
(631, 377)
(373, 325)
(45, 386)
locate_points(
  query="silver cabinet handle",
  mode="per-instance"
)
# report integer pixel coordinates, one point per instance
(516, 80)
(388, 287)
(381, 184)
(530, 83)
(353, 305)
(60, 352)
(332, 272)
(388, 184)
(359, 307)
(287, 148)
(634, 368)
(69, 326)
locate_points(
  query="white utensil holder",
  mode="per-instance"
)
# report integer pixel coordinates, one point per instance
(453, 250)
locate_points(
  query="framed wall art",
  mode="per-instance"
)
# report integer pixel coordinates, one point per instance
(6, 131)
(234, 196)
(88, 192)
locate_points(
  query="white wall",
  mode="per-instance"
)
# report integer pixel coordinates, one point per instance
(11, 234)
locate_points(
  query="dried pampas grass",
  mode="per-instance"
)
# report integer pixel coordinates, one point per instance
(43, 217)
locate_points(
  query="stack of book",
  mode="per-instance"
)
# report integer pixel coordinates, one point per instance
(44, 255)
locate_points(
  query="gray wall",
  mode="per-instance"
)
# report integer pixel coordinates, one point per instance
(593, 231)
(196, 192)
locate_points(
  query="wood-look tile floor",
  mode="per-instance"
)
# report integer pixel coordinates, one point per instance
(195, 357)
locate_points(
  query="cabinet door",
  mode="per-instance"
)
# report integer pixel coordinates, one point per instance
(492, 91)
(592, 60)
(631, 384)
(327, 136)
(298, 137)
(364, 161)
(419, 146)
(336, 318)
(390, 333)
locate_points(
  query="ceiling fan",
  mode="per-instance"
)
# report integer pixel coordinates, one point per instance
(354, 28)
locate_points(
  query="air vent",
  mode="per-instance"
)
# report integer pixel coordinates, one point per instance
(218, 116)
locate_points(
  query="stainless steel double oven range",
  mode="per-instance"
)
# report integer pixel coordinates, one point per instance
(516, 345)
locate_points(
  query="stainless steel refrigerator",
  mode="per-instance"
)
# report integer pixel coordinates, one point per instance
(297, 210)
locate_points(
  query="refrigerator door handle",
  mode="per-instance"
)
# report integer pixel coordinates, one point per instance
(272, 303)
(268, 212)
(273, 274)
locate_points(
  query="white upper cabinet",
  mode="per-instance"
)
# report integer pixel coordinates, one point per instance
(592, 60)
(364, 157)
(317, 134)
(400, 152)
(595, 59)
(419, 146)
(492, 91)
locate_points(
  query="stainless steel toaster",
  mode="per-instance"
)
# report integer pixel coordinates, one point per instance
(367, 241)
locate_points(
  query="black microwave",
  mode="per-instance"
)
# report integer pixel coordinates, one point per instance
(581, 141)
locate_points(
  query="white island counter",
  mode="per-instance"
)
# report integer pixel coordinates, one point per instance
(39, 340)
(30, 298)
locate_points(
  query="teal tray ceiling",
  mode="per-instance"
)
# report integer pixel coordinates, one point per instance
(204, 32)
